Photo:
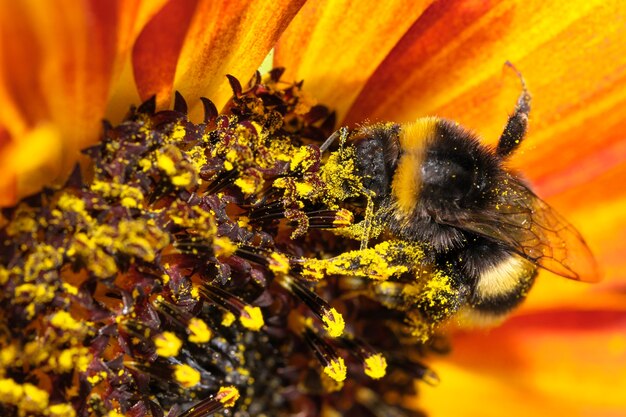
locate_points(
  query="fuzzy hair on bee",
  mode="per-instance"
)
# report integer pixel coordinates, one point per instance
(435, 183)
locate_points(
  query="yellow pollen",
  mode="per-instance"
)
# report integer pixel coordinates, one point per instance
(62, 410)
(247, 185)
(8, 355)
(227, 396)
(228, 319)
(97, 378)
(10, 391)
(279, 263)
(35, 399)
(376, 366)
(336, 369)
(198, 331)
(167, 344)
(252, 318)
(165, 163)
(186, 376)
(64, 321)
(304, 189)
(223, 246)
(301, 154)
(70, 289)
(343, 218)
(333, 323)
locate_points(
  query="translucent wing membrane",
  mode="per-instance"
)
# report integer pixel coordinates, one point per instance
(529, 226)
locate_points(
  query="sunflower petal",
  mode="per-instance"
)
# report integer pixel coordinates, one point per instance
(451, 63)
(60, 72)
(335, 46)
(156, 51)
(28, 165)
(226, 37)
(559, 363)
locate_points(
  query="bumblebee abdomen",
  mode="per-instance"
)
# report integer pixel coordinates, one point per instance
(498, 290)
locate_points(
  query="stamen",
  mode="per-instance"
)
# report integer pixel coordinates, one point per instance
(249, 316)
(279, 263)
(197, 330)
(167, 344)
(225, 398)
(186, 376)
(316, 218)
(329, 219)
(253, 254)
(334, 365)
(333, 321)
(171, 311)
(417, 370)
(138, 330)
(264, 213)
(183, 374)
(374, 363)
(223, 180)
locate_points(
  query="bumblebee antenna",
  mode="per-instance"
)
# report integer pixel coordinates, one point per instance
(519, 75)
(517, 125)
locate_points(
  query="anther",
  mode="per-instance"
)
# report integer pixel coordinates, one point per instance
(224, 398)
(333, 321)
(374, 363)
(334, 365)
(249, 316)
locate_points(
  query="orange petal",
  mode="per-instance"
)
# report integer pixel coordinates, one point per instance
(227, 37)
(157, 49)
(60, 70)
(450, 63)
(26, 161)
(335, 45)
(123, 92)
(558, 364)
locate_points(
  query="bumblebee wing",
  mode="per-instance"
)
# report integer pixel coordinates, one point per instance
(530, 227)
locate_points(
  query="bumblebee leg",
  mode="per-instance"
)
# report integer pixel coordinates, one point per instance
(517, 124)
(342, 133)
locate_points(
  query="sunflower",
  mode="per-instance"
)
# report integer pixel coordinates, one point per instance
(66, 66)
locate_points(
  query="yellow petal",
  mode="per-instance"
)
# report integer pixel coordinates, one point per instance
(335, 45)
(157, 49)
(450, 63)
(227, 38)
(31, 162)
(58, 60)
(564, 363)
(123, 92)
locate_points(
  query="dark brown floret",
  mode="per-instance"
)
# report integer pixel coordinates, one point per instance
(166, 280)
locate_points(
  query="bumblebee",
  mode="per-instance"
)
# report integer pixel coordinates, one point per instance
(432, 181)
